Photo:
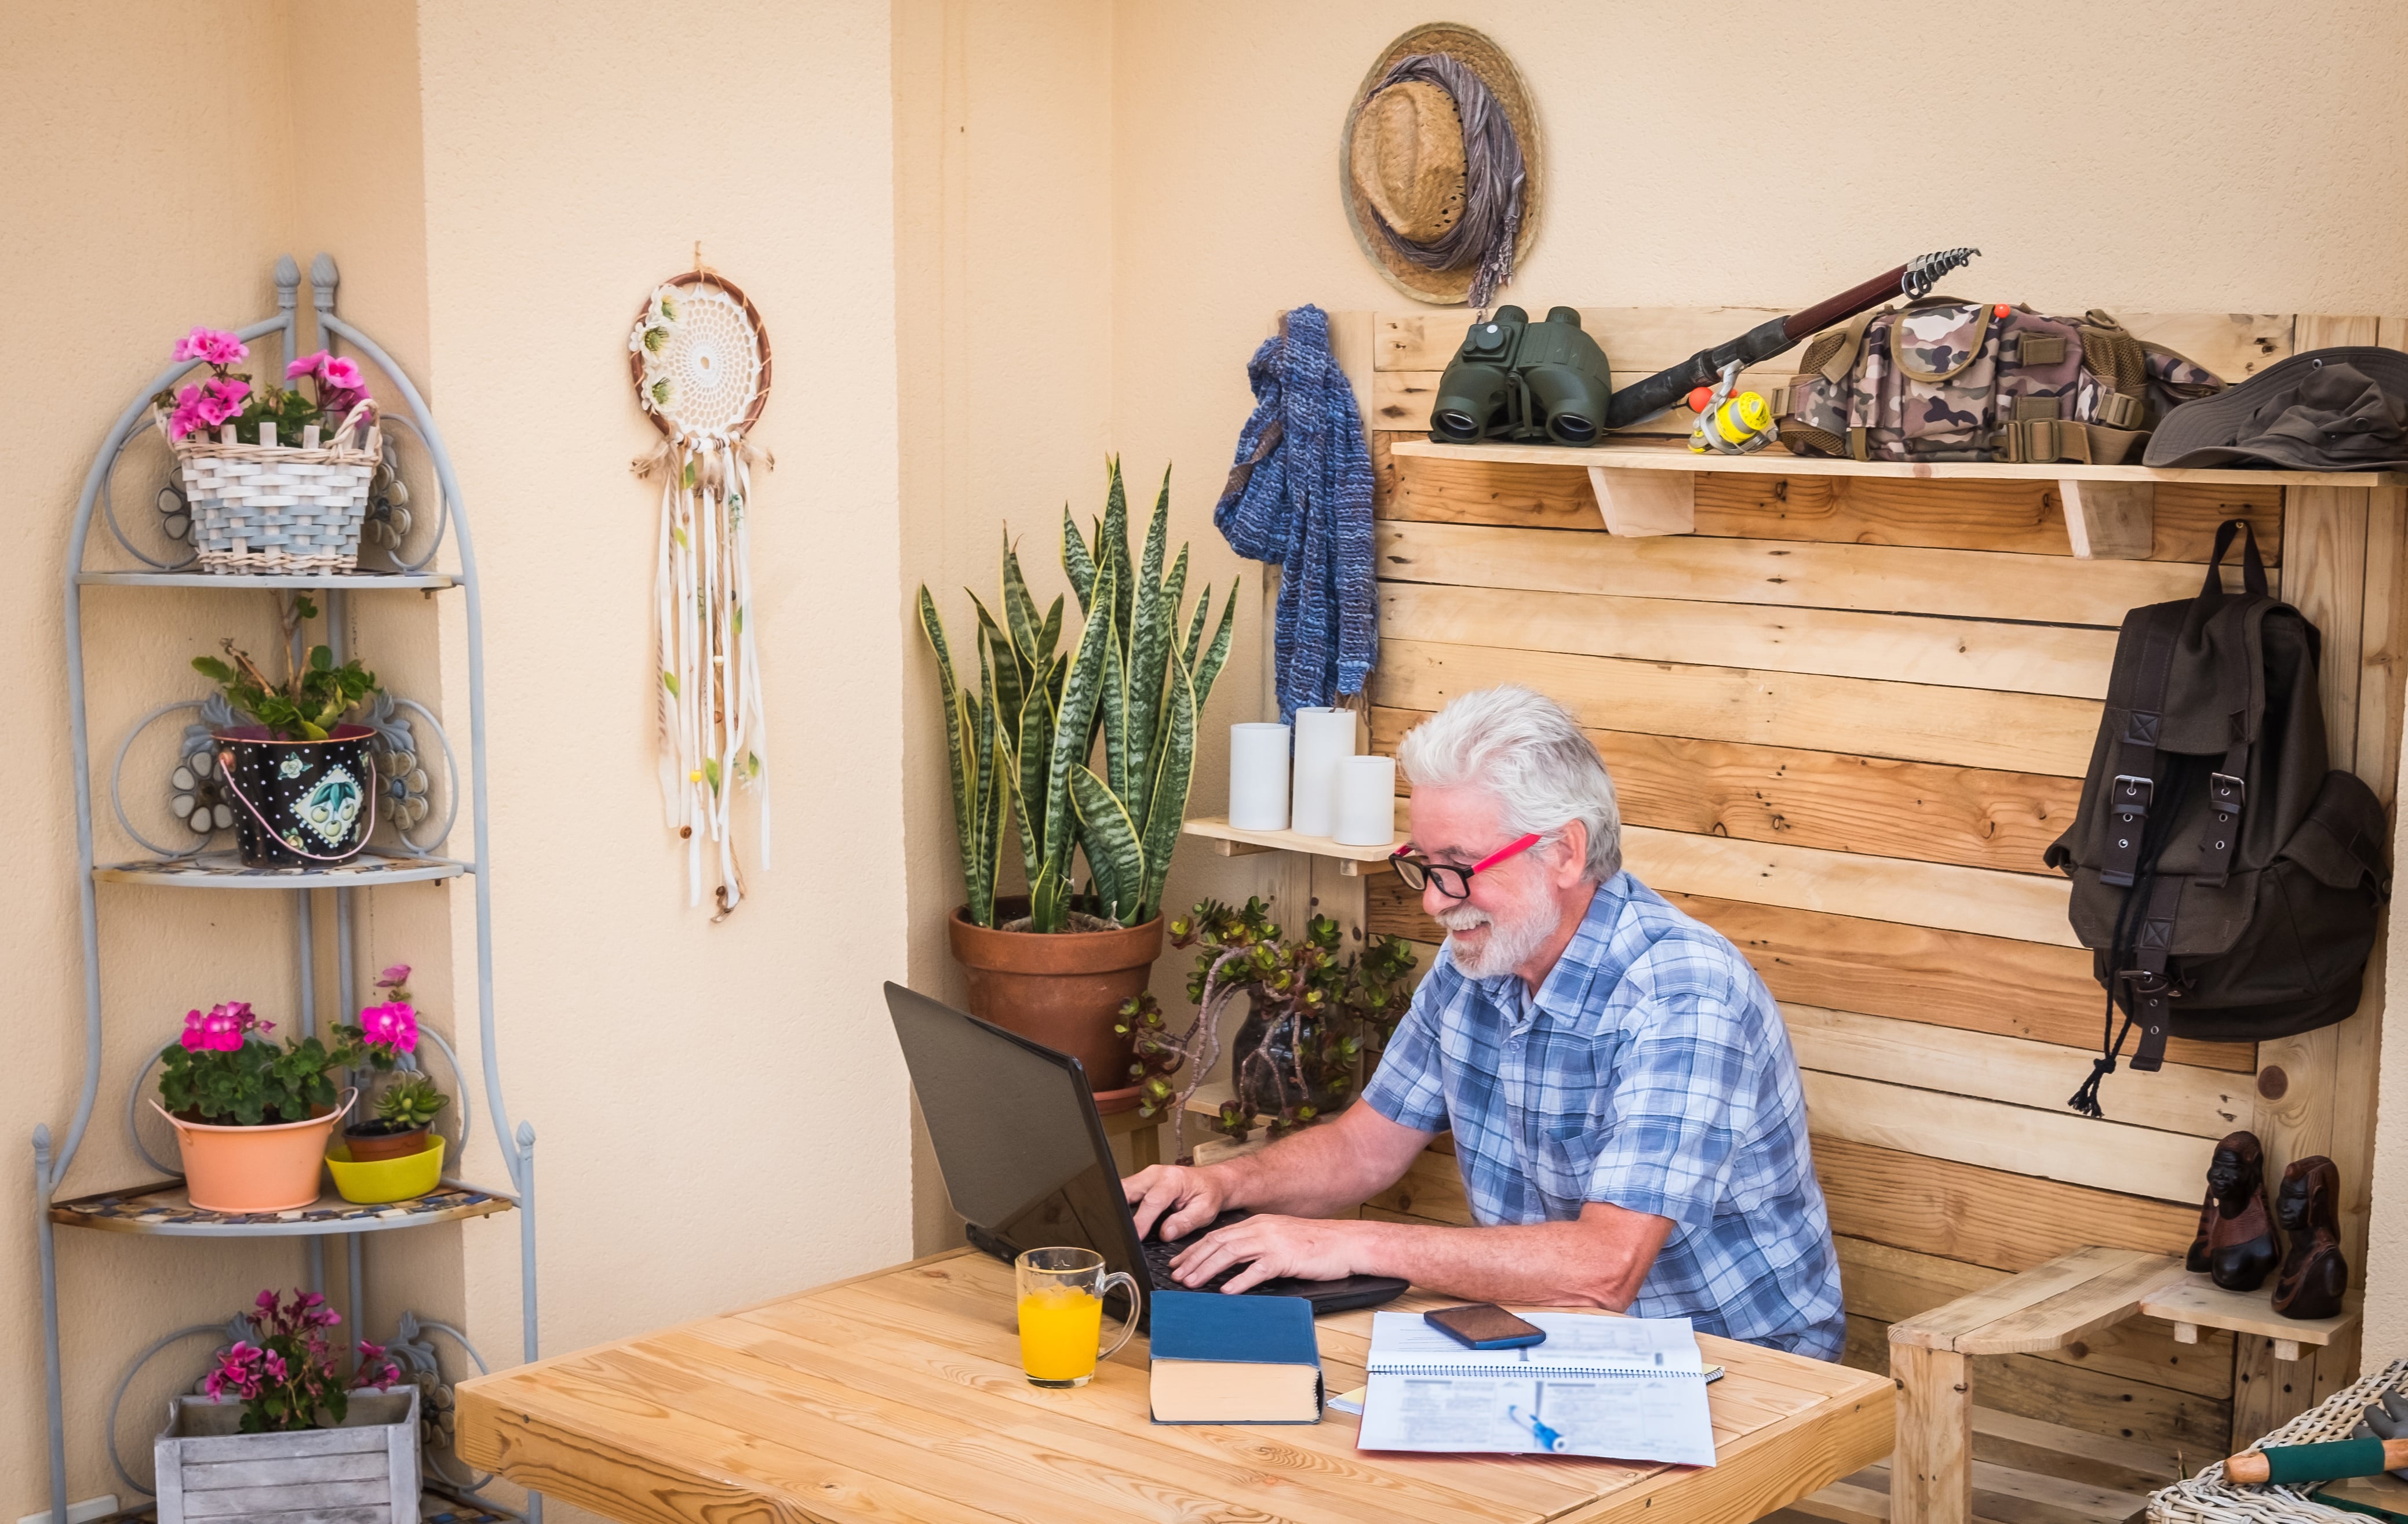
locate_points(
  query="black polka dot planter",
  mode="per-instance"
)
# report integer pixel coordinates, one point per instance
(299, 803)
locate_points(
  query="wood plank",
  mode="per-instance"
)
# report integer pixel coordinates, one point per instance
(2051, 1145)
(1893, 579)
(2327, 528)
(2323, 331)
(1973, 816)
(2195, 1299)
(1622, 451)
(2200, 1102)
(2023, 517)
(2077, 1312)
(1945, 1326)
(1886, 1284)
(1953, 979)
(1984, 1216)
(1910, 721)
(2068, 661)
(1771, 1468)
(1932, 1478)
(2173, 1426)
(2267, 1393)
(2052, 1449)
(1939, 895)
(1432, 1188)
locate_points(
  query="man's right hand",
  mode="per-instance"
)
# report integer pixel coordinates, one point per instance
(1182, 1197)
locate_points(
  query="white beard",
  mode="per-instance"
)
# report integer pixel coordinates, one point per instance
(1507, 945)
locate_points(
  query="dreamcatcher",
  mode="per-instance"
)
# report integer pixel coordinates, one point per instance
(700, 361)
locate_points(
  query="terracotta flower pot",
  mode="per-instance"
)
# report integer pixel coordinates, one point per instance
(1064, 989)
(369, 1147)
(262, 1169)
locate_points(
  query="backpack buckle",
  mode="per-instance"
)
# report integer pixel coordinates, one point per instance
(2229, 791)
(2132, 793)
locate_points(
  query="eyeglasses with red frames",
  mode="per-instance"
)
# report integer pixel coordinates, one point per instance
(1452, 881)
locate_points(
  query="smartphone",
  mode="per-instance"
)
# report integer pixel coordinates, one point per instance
(1483, 1325)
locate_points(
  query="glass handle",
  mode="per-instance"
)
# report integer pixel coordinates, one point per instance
(1128, 1282)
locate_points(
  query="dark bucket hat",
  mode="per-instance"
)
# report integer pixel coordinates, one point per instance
(2337, 409)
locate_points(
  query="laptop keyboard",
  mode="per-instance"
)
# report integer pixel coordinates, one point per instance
(1158, 1255)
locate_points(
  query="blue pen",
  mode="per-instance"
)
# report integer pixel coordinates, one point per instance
(1548, 1439)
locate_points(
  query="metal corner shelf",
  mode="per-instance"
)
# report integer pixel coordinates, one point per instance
(224, 870)
(162, 1209)
(165, 1209)
(332, 582)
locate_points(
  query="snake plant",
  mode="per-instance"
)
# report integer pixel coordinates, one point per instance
(1029, 738)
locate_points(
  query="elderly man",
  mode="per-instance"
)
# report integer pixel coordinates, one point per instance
(1626, 1107)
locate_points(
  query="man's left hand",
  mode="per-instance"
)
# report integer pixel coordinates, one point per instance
(1310, 1248)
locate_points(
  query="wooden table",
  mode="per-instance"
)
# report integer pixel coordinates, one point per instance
(899, 1396)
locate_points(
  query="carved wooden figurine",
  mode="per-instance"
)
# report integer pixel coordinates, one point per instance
(2236, 1243)
(2314, 1274)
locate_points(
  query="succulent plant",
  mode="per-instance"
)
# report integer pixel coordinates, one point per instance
(411, 1102)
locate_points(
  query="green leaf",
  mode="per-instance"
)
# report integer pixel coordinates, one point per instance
(1018, 609)
(1209, 670)
(1175, 764)
(321, 659)
(1114, 537)
(1114, 849)
(1080, 696)
(668, 680)
(1077, 563)
(1049, 636)
(1008, 684)
(710, 772)
(214, 669)
(958, 741)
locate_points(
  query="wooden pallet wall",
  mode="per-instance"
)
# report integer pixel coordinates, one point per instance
(1845, 716)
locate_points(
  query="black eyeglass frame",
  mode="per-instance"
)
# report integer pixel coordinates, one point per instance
(1417, 871)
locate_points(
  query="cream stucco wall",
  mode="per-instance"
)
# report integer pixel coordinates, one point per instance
(993, 242)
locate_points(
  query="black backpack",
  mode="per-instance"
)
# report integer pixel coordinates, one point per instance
(2226, 877)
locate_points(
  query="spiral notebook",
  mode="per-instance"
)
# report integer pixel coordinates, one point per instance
(1618, 1388)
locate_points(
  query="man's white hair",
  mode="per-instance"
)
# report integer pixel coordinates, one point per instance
(1527, 752)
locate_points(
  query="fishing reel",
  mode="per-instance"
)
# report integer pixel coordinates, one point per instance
(1731, 425)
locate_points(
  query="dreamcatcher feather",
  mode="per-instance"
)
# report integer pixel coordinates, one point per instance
(700, 360)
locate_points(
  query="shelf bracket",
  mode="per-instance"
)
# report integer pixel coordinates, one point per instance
(2110, 521)
(1645, 502)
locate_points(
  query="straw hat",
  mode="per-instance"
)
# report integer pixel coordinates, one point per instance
(1401, 158)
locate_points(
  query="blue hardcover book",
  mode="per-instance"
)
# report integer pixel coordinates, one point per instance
(1234, 1360)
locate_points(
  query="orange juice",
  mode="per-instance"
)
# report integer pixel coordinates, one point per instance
(1060, 1328)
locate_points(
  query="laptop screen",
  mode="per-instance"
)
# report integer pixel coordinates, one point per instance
(1011, 1126)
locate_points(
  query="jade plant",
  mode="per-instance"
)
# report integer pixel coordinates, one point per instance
(411, 1102)
(1024, 744)
(1317, 1017)
(308, 704)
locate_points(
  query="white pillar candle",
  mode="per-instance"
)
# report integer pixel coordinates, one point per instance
(1258, 777)
(1324, 738)
(1367, 801)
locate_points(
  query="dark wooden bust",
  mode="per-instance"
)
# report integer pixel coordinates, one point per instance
(2236, 1245)
(2308, 1206)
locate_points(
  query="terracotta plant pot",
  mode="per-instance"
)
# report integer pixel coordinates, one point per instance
(262, 1169)
(1064, 989)
(367, 1148)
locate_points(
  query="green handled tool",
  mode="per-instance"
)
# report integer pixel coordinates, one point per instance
(2326, 1462)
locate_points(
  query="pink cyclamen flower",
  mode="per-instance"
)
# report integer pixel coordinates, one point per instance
(393, 1025)
(266, 1303)
(212, 346)
(275, 1367)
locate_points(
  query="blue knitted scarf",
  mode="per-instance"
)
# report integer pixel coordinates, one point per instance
(1300, 497)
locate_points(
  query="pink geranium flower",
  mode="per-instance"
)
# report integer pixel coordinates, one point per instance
(212, 346)
(187, 416)
(221, 399)
(394, 1026)
(343, 374)
(306, 366)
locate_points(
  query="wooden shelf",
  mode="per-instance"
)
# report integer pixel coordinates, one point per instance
(224, 870)
(2194, 1302)
(1651, 489)
(1675, 457)
(165, 1208)
(1231, 841)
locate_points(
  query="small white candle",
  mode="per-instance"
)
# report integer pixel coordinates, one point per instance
(1324, 738)
(1367, 801)
(1258, 777)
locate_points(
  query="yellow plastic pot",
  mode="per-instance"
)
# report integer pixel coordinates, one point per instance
(383, 1180)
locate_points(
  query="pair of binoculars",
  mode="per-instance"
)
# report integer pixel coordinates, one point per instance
(1521, 380)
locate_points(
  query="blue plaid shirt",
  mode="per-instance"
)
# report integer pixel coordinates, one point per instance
(1652, 1071)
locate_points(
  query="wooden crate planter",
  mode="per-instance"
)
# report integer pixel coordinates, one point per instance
(363, 1473)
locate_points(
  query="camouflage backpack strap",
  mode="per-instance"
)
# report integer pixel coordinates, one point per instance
(2121, 363)
(2047, 440)
(1833, 353)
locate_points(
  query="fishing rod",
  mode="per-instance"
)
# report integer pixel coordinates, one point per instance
(1913, 280)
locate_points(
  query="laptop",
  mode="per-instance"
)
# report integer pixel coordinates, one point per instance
(1026, 1163)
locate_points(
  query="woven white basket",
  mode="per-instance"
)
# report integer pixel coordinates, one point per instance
(2209, 1499)
(278, 508)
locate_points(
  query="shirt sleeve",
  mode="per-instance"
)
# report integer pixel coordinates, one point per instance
(1406, 1087)
(1680, 1106)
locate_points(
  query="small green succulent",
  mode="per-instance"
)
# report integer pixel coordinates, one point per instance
(411, 1102)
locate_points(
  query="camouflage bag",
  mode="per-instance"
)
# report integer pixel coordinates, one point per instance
(1947, 380)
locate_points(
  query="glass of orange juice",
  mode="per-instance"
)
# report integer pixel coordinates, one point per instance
(1062, 1313)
